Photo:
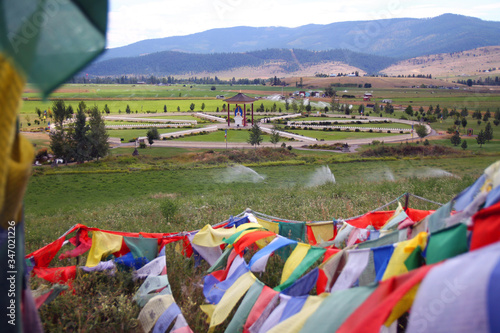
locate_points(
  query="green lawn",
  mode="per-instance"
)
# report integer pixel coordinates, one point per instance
(128, 134)
(218, 136)
(333, 135)
(472, 145)
(155, 151)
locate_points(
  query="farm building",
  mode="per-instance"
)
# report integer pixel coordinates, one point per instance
(367, 96)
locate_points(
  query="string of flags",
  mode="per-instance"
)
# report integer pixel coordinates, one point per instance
(441, 267)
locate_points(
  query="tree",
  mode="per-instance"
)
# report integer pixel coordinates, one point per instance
(480, 139)
(81, 107)
(153, 135)
(488, 132)
(409, 110)
(455, 139)
(376, 108)
(294, 106)
(38, 112)
(127, 109)
(496, 122)
(69, 111)
(464, 122)
(178, 109)
(275, 136)
(98, 137)
(202, 106)
(213, 88)
(81, 144)
(255, 137)
(464, 113)
(361, 108)
(106, 109)
(421, 131)
(59, 109)
(191, 107)
(308, 106)
(464, 144)
(287, 105)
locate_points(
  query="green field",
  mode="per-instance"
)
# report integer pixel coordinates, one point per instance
(218, 136)
(128, 134)
(334, 135)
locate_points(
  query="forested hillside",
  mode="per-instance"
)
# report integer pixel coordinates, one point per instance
(176, 63)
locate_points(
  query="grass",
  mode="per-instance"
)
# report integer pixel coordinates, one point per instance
(489, 147)
(334, 135)
(131, 200)
(218, 136)
(128, 134)
(125, 193)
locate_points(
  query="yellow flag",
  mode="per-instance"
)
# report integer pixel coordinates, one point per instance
(396, 264)
(103, 244)
(298, 254)
(230, 298)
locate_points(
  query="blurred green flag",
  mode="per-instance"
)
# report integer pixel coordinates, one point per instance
(51, 40)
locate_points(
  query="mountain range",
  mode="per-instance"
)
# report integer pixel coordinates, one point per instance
(368, 45)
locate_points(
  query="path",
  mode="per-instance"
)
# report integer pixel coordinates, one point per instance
(353, 143)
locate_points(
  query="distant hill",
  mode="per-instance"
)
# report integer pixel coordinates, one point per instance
(400, 38)
(484, 61)
(282, 62)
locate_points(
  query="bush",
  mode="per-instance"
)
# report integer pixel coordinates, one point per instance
(426, 142)
(289, 147)
(168, 209)
(142, 145)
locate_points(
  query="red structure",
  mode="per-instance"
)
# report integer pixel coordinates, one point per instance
(239, 99)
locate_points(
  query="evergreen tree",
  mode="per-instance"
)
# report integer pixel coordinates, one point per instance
(275, 136)
(69, 111)
(191, 107)
(488, 132)
(165, 108)
(127, 109)
(178, 109)
(464, 123)
(81, 107)
(376, 108)
(38, 112)
(409, 110)
(98, 137)
(464, 113)
(445, 112)
(59, 110)
(308, 106)
(455, 139)
(497, 114)
(202, 106)
(81, 144)
(480, 139)
(106, 109)
(255, 137)
(464, 144)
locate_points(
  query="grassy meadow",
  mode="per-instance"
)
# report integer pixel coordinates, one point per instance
(125, 193)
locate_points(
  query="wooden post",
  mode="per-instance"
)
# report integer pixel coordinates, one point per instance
(252, 114)
(244, 115)
(228, 119)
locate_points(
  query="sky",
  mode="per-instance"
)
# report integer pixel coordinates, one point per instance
(134, 20)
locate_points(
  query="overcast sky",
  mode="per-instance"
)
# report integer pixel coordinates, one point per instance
(134, 20)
